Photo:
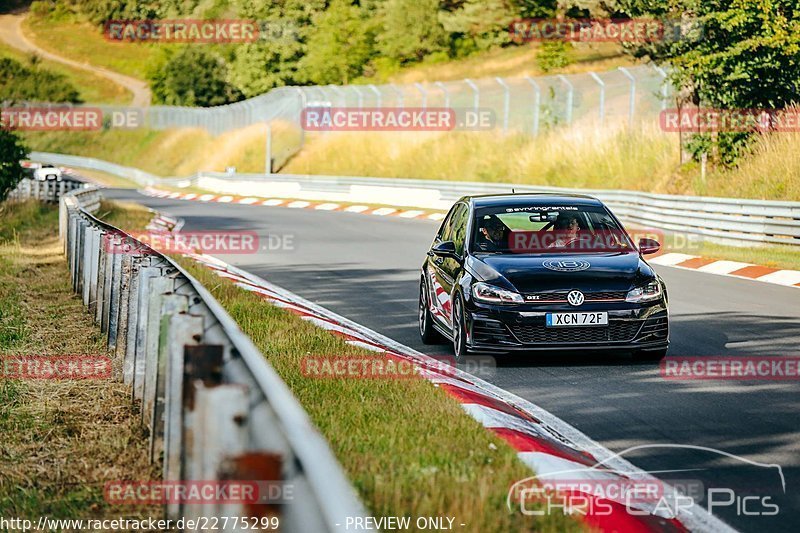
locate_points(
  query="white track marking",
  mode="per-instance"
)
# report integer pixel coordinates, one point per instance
(723, 267)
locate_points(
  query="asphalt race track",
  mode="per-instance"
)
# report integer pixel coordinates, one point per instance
(367, 269)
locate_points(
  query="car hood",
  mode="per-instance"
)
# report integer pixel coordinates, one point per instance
(587, 272)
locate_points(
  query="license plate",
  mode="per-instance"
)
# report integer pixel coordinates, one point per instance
(576, 319)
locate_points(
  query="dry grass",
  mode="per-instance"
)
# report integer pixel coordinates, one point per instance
(644, 159)
(173, 152)
(62, 440)
(515, 61)
(409, 449)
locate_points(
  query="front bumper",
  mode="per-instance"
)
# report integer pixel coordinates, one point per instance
(631, 327)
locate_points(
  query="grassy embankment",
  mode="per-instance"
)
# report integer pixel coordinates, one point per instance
(409, 449)
(62, 440)
(91, 88)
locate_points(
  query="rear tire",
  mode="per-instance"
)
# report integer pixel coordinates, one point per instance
(427, 333)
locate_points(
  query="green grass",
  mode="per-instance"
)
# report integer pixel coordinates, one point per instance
(91, 88)
(62, 440)
(84, 42)
(409, 449)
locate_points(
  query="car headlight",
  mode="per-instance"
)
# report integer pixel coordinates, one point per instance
(491, 294)
(646, 293)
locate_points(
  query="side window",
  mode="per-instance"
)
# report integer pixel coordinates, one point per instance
(459, 233)
(446, 231)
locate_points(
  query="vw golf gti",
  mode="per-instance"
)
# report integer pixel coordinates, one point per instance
(536, 272)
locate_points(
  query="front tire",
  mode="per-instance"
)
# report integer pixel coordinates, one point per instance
(459, 331)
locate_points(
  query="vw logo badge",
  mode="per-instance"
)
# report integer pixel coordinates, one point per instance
(575, 298)
(566, 266)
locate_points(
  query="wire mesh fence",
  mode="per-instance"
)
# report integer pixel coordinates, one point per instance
(527, 104)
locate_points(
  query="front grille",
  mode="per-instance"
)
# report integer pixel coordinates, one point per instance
(616, 331)
(561, 296)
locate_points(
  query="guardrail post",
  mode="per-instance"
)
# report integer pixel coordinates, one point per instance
(378, 96)
(446, 93)
(506, 102)
(537, 103)
(476, 94)
(399, 92)
(202, 364)
(94, 265)
(137, 356)
(85, 269)
(184, 330)
(171, 306)
(159, 288)
(424, 93)
(570, 97)
(602, 85)
(121, 333)
(359, 96)
(131, 323)
(108, 253)
(116, 287)
(664, 86)
(632, 98)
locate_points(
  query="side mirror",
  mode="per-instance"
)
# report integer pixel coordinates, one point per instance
(649, 246)
(444, 249)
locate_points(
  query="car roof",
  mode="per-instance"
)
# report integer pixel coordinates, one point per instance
(532, 199)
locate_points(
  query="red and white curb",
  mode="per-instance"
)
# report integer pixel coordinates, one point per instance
(544, 442)
(788, 278)
(295, 204)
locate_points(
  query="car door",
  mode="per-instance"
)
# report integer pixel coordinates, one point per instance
(442, 269)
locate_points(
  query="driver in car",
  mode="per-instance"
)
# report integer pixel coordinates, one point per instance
(567, 228)
(491, 234)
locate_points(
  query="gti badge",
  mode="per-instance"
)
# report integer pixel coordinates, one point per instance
(575, 298)
(566, 266)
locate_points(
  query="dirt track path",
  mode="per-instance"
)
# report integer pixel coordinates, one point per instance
(11, 33)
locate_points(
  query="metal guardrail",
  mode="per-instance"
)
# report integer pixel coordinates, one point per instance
(730, 220)
(215, 409)
(45, 191)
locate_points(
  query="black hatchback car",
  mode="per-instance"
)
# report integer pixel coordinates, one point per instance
(540, 272)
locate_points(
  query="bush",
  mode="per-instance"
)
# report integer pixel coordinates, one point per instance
(193, 77)
(11, 152)
(20, 83)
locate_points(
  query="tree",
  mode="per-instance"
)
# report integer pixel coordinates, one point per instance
(410, 30)
(483, 22)
(339, 46)
(193, 77)
(730, 54)
(11, 152)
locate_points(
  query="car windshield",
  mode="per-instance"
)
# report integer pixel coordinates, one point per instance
(547, 229)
